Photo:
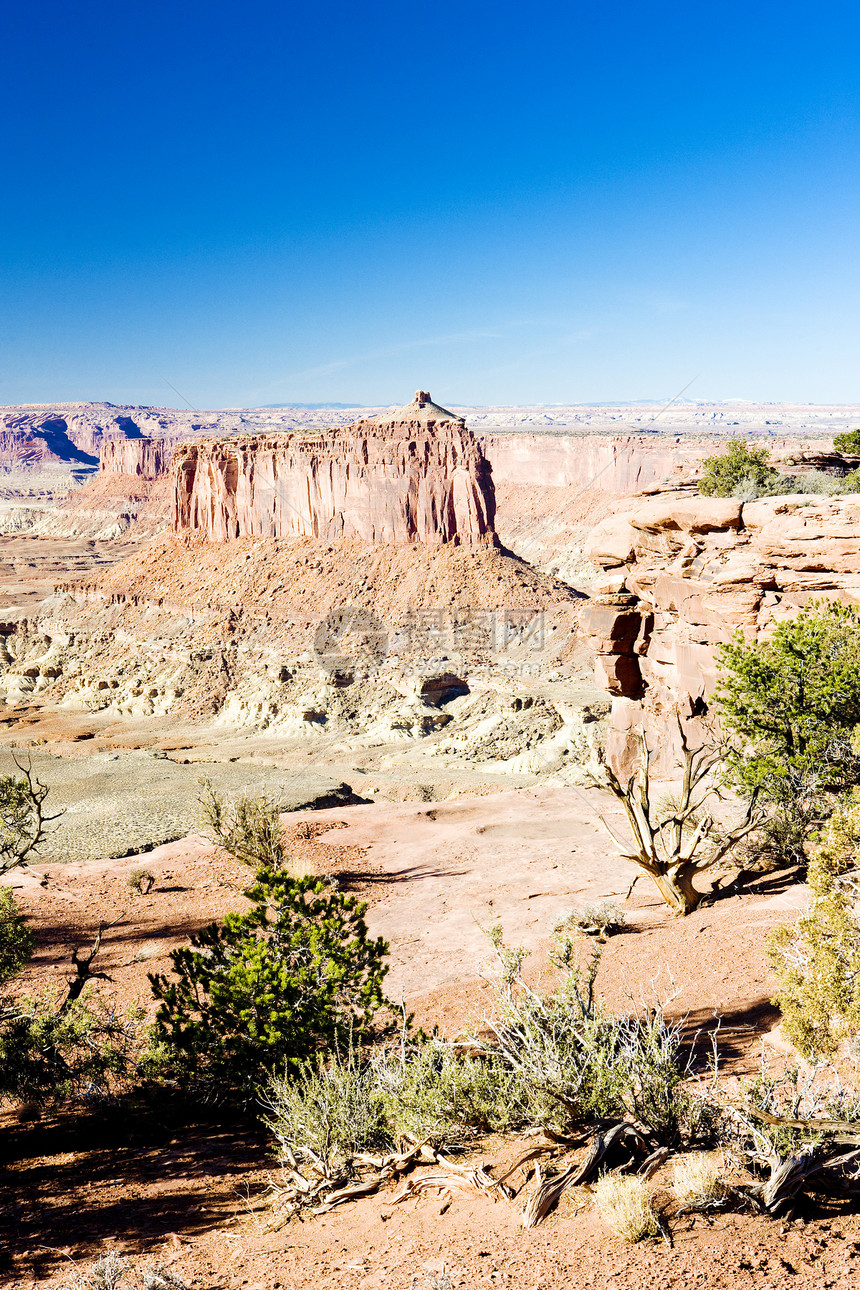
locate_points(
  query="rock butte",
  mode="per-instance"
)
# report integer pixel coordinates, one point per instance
(140, 458)
(417, 476)
(273, 536)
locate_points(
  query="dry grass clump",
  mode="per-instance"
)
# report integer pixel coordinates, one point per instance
(697, 1182)
(298, 867)
(114, 1272)
(624, 1204)
(600, 919)
(141, 881)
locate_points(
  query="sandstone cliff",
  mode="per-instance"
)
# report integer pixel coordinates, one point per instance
(138, 458)
(418, 476)
(33, 435)
(28, 444)
(620, 465)
(130, 494)
(684, 573)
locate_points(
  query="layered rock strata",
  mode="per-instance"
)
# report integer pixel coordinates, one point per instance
(417, 476)
(35, 435)
(621, 465)
(372, 644)
(682, 574)
(137, 458)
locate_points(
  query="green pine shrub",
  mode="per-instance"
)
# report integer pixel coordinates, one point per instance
(788, 705)
(848, 443)
(52, 1052)
(740, 471)
(16, 939)
(266, 990)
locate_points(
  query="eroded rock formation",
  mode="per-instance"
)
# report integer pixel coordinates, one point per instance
(683, 574)
(35, 435)
(416, 476)
(140, 458)
(374, 644)
(621, 465)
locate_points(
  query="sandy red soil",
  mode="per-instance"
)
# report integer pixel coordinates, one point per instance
(433, 873)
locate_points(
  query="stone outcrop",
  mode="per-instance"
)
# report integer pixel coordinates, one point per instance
(683, 574)
(130, 494)
(559, 445)
(140, 458)
(75, 432)
(375, 644)
(416, 476)
(30, 443)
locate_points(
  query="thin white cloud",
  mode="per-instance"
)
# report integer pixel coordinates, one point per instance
(391, 351)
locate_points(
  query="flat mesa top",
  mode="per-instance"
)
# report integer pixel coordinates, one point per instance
(422, 408)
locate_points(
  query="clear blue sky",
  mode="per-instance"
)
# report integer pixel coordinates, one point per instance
(500, 202)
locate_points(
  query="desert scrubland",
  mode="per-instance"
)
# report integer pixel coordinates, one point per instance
(419, 637)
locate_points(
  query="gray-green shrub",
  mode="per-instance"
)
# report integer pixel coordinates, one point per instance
(578, 1062)
(437, 1093)
(427, 1091)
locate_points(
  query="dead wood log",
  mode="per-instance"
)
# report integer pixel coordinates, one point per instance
(366, 1187)
(547, 1194)
(653, 1162)
(526, 1158)
(842, 1131)
(790, 1177)
(398, 1162)
(472, 1180)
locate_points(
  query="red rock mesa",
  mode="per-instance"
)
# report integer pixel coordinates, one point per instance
(416, 476)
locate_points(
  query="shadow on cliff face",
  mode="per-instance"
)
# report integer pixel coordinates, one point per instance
(572, 592)
(55, 432)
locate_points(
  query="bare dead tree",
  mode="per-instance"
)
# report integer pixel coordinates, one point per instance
(23, 822)
(83, 965)
(679, 840)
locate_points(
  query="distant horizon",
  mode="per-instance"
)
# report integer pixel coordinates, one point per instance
(454, 403)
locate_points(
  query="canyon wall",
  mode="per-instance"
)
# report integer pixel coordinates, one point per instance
(682, 574)
(75, 432)
(138, 458)
(620, 465)
(417, 477)
(129, 495)
(32, 435)
(29, 444)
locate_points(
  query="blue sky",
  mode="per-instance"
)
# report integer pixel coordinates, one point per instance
(500, 202)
